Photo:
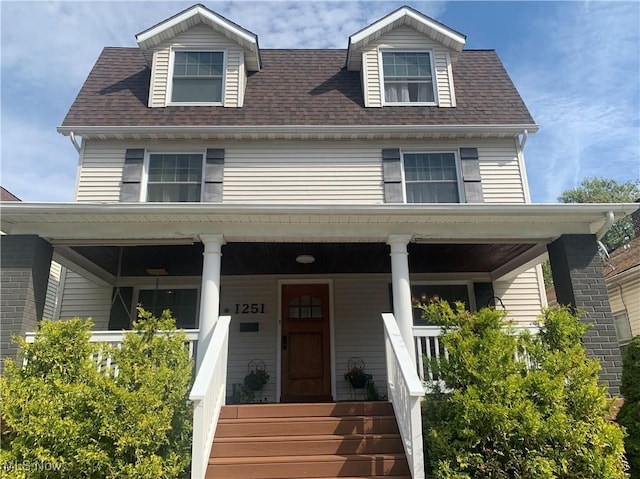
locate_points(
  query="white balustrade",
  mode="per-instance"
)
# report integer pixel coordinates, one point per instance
(103, 359)
(208, 395)
(429, 349)
(405, 392)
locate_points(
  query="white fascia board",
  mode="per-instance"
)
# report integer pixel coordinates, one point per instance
(516, 129)
(458, 39)
(104, 223)
(184, 16)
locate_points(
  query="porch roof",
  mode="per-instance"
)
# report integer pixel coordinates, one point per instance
(173, 223)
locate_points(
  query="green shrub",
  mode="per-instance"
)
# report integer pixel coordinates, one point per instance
(498, 418)
(67, 419)
(629, 414)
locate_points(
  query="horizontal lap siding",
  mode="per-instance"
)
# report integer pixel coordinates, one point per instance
(101, 171)
(629, 302)
(85, 299)
(500, 172)
(304, 172)
(247, 346)
(521, 296)
(406, 38)
(359, 302)
(53, 286)
(159, 78)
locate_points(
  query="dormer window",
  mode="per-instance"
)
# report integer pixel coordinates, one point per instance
(408, 78)
(197, 77)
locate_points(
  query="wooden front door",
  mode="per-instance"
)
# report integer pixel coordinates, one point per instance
(306, 347)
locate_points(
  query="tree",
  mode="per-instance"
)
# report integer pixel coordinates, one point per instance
(518, 406)
(629, 414)
(601, 190)
(67, 419)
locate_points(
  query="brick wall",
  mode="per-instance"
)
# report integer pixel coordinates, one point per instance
(578, 280)
(24, 272)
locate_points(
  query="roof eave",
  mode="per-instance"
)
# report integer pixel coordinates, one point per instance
(64, 223)
(300, 131)
(402, 16)
(152, 37)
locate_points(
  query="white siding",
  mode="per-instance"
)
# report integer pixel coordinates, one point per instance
(521, 296)
(101, 171)
(359, 302)
(200, 37)
(406, 38)
(53, 287)
(86, 299)
(246, 346)
(297, 172)
(500, 172)
(628, 301)
(159, 78)
(301, 171)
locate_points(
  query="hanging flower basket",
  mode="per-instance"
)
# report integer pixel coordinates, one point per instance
(257, 377)
(356, 375)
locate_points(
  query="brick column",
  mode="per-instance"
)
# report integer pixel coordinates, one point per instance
(578, 280)
(24, 273)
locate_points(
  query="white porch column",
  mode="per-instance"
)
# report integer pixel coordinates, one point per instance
(402, 307)
(210, 291)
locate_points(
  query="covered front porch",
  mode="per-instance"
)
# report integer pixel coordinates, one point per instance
(256, 293)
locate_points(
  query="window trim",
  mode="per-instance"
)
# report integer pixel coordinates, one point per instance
(434, 82)
(144, 184)
(459, 179)
(135, 295)
(622, 341)
(172, 56)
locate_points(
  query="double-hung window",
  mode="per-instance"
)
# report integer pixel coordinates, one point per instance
(431, 178)
(197, 77)
(408, 78)
(174, 177)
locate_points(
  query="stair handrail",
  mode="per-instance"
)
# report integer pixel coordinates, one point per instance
(406, 392)
(208, 395)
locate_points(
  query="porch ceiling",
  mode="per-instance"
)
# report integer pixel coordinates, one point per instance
(280, 258)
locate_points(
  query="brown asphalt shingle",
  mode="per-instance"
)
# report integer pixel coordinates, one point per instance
(295, 87)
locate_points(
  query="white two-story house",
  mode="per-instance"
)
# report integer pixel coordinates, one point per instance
(304, 193)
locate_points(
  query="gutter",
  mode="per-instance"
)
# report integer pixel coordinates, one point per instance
(216, 130)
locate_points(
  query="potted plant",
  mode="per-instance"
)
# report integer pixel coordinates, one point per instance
(357, 377)
(256, 379)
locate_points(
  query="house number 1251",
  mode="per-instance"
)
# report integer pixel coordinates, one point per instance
(253, 308)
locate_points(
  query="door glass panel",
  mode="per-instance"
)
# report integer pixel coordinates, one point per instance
(305, 307)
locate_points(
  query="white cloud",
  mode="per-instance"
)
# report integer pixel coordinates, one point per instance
(582, 85)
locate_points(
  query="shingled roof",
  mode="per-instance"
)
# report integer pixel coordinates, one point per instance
(294, 87)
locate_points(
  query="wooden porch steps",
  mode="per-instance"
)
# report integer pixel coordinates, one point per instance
(350, 440)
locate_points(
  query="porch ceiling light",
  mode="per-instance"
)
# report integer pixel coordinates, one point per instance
(157, 272)
(305, 259)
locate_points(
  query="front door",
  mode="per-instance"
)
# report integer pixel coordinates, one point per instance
(306, 350)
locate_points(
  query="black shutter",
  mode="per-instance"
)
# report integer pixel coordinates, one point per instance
(132, 175)
(392, 175)
(213, 175)
(484, 294)
(471, 175)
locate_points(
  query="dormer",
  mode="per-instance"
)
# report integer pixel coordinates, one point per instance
(406, 59)
(198, 58)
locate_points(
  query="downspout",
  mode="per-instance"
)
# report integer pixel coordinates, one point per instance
(523, 141)
(74, 142)
(608, 221)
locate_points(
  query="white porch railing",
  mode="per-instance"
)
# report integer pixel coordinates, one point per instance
(405, 391)
(430, 348)
(103, 360)
(208, 395)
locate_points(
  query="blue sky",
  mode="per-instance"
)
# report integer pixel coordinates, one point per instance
(576, 64)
